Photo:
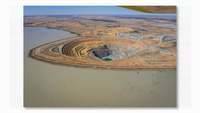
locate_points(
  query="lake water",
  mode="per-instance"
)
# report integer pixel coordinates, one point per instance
(50, 85)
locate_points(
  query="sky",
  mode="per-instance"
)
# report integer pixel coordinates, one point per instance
(77, 10)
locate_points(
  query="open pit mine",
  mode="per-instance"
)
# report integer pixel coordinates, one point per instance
(108, 42)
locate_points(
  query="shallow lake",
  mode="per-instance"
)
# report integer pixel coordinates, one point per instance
(47, 85)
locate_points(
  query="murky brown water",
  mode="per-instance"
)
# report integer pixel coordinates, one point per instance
(48, 85)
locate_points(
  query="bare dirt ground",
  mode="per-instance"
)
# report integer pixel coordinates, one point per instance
(138, 43)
